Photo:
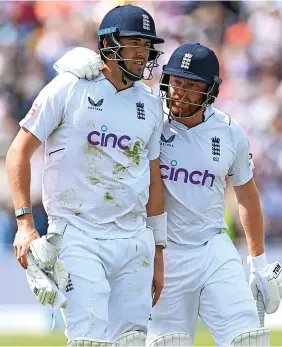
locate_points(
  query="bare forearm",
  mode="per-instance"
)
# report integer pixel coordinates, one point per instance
(252, 222)
(155, 204)
(156, 217)
(19, 177)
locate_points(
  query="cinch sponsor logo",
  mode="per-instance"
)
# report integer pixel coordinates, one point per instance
(97, 138)
(173, 173)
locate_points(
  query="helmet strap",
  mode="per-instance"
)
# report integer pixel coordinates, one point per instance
(123, 79)
(127, 73)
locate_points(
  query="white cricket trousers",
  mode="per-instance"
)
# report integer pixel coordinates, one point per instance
(208, 281)
(110, 282)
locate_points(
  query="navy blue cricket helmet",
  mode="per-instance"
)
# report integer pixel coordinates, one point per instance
(194, 62)
(128, 21)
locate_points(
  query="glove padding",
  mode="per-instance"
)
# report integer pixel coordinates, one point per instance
(45, 256)
(44, 253)
(82, 62)
(268, 282)
(44, 289)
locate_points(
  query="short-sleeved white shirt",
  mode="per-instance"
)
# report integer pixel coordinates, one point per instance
(98, 144)
(194, 166)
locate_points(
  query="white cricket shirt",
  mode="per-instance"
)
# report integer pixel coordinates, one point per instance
(98, 144)
(194, 165)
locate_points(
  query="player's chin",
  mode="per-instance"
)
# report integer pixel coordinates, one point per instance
(138, 71)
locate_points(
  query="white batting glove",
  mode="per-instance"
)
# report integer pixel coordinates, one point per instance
(82, 62)
(267, 280)
(45, 256)
(44, 289)
(44, 253)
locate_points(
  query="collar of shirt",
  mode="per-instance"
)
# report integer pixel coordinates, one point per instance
(102, 77)
(208, 112)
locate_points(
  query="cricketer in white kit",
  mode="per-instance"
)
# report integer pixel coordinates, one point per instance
(200, 147)
(102, 188)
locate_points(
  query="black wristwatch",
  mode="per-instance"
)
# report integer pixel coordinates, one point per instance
(23, 210)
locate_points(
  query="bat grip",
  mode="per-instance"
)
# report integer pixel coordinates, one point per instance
(260, 309)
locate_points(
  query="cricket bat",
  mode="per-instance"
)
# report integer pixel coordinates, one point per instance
(260, 309)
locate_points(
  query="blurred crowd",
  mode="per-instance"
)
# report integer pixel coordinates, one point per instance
(246, 36)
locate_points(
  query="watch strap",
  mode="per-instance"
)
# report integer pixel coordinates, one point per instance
(23, 210)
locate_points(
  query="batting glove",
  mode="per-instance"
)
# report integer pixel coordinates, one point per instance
(82, 62)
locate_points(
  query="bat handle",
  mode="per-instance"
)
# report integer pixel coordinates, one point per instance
(260, 309)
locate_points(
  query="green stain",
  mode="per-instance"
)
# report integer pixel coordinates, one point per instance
(119, 168)
(117, 180)
(108, 197)
(94, 180)
(92, 151)
(77, 211)
(134, 155)
(145, 264)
